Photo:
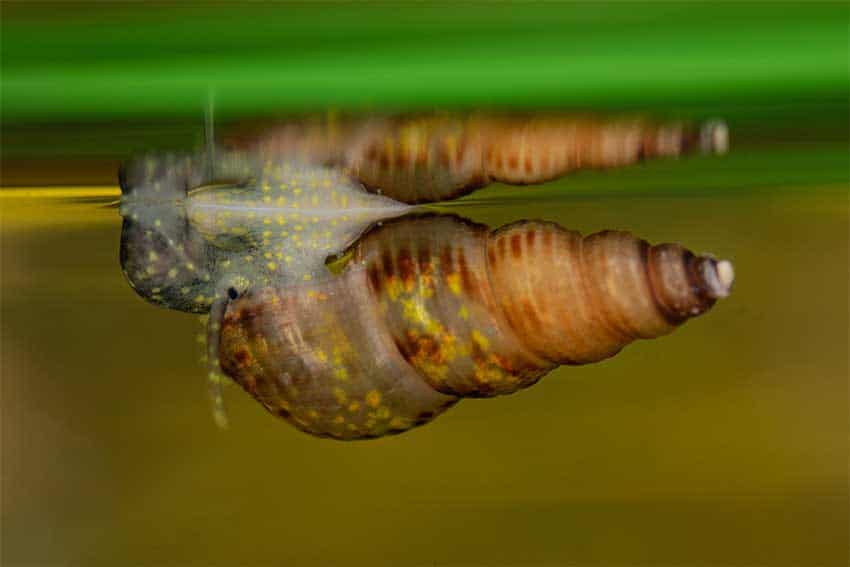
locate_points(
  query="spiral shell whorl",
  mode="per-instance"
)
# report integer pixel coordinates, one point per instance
(545, 293)
(319, 356)
(429, 279)
(577, 300)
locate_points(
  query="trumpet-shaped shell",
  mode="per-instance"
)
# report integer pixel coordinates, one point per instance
(427, 310)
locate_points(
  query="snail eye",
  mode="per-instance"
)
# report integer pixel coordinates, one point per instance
(232, 293)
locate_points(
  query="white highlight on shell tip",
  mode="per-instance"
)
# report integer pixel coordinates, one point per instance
(718, 277)
(714, 137)
(726, 274)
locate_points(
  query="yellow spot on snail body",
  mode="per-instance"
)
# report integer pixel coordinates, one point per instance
(480, 339)
(340, 395)
(373, 398)
(394, 287)
(453, 281)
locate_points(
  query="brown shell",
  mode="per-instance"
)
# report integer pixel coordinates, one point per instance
(433, 308)
(440, 156)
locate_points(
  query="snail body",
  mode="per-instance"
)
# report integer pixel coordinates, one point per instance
(432, 309)
(266, 222)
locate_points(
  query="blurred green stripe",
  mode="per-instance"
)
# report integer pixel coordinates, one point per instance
(113, 62)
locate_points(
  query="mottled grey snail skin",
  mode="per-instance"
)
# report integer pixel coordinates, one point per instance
(426, 310)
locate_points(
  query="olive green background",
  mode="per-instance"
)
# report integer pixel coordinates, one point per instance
(725, 443)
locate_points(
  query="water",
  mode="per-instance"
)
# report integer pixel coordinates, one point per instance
(724, 443)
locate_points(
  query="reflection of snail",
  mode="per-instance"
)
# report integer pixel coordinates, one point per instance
(434, 157)
(427, 310)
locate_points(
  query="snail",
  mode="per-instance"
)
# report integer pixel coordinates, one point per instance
(427, 310)
(445, 307)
